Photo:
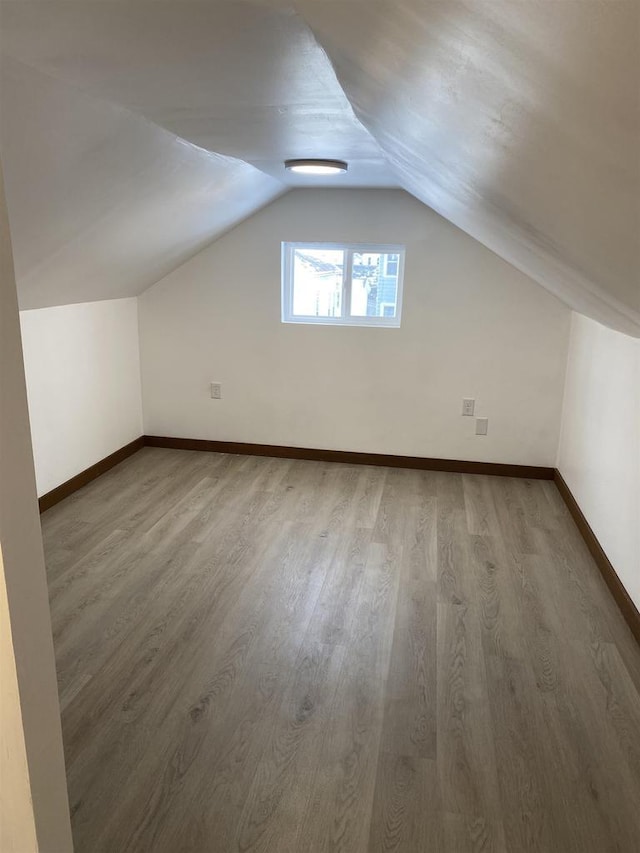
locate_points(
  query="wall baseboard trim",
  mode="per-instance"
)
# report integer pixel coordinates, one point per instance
(423, 463)
(609, 574)
(65, 489)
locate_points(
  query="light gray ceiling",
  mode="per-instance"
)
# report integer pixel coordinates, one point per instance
(103, 203)
(518, 121)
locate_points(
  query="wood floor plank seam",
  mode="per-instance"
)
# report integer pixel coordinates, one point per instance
(271, 656)
(619, 592)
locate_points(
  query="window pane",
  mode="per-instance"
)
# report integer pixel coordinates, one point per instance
(374, 284)
(391, 265)
(317, 282)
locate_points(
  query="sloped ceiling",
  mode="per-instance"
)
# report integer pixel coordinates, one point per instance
(518, 121)
(103, 203)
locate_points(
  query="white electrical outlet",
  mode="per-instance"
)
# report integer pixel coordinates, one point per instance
(468, 407)
(216, 391)
(482, 426)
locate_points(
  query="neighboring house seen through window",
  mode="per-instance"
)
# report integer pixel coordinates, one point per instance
(342, 284)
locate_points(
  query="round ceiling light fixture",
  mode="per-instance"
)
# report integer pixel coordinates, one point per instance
(316, 167)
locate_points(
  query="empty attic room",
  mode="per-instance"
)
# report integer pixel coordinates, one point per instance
(320, 426)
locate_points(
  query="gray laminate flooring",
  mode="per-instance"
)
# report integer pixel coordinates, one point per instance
(271, 655)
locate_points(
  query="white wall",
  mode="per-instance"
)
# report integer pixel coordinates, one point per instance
(34, 810)
(83, 382)
(599, 454)
(472, 326)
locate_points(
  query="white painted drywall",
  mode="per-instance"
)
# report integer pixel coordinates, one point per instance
(599, 455)
(34, 810)
(472, 326)
(83, 382)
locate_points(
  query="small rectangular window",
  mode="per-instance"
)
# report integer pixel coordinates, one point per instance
(342, 284)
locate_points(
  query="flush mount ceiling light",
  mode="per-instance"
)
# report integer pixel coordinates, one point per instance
(316, 167)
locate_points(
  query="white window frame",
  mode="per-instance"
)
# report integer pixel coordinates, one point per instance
(349, 248)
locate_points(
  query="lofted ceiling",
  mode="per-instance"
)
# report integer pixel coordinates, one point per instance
(102, 202)
(135, 132)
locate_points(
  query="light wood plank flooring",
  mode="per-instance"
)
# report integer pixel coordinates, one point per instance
(271, 655)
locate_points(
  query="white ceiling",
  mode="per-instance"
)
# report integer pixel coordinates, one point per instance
(518, 120)
(103, 203)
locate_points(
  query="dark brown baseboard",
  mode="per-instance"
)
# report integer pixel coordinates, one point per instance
(422, 463)
(616, 587)
(65, 489)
